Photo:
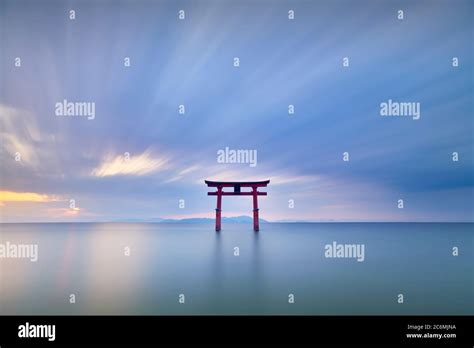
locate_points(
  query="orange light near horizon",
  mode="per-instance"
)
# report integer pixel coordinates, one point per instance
(63, 212)
(71, 212)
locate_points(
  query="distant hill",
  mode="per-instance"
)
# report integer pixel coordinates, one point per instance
(236, 219)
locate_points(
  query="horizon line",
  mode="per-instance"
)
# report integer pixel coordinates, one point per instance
(240, 222)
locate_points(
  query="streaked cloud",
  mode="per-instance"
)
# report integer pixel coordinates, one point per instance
(137, 165)
(12, 196)
(276, 178)
(189, 170)
(19, 133)
(173, 179)
(182, 173)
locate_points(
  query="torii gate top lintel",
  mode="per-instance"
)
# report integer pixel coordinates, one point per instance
(234, 183)
(237, 185)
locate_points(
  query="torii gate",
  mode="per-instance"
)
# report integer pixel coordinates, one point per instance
(237, 185)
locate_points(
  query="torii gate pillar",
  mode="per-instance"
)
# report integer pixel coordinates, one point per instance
(255, 209)
(219, 209)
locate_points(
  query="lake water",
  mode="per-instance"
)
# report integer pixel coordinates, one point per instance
(166, 260)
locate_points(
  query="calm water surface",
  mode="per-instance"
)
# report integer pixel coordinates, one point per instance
(87, 259)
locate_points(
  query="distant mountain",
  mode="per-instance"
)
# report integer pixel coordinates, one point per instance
(304, 221)
(236, 219)
(135, 220)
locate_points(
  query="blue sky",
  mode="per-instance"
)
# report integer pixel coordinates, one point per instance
(282, 62)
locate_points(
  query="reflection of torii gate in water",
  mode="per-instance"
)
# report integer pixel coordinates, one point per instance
(237, 185)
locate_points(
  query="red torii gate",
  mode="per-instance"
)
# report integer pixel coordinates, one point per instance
(237, 185)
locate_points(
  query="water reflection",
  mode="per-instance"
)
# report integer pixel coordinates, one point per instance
(256, 264)
(165, 260)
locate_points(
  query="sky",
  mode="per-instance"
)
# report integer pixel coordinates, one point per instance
(138, 156)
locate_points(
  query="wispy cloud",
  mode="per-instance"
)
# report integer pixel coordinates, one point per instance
(189, 170)
(137, 165)
(276, 178)
(182, 174)
(19, 133)
(173, 179)
(12, 196)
